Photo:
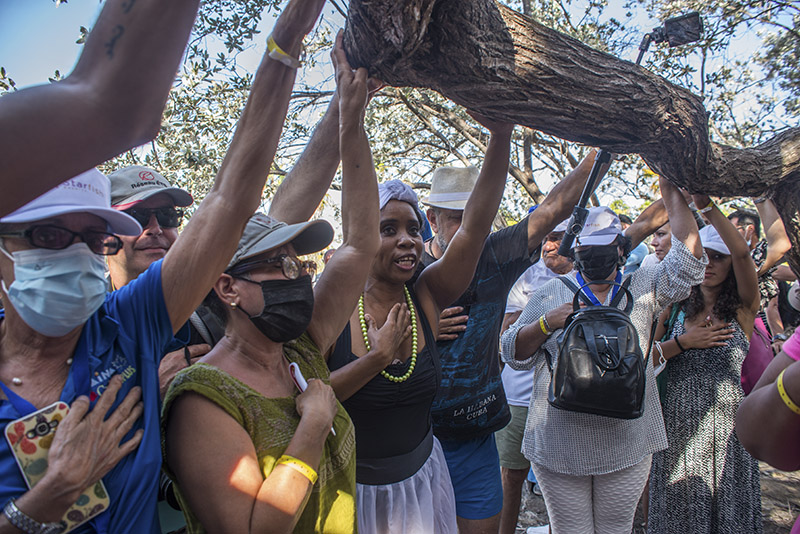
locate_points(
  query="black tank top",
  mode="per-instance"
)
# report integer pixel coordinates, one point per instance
(392, 418)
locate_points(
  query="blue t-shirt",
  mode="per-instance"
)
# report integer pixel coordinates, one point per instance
(126, 336)
(636, 257)
(471, 402)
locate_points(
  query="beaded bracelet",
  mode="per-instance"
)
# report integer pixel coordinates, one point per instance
(544, 328)
(785, 396)
(277, 53)
(300, 466)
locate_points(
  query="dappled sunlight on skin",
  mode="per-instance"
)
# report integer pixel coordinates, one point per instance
(248, 477)
(243, 477)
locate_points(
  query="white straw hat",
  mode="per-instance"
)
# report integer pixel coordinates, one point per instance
(451, 187)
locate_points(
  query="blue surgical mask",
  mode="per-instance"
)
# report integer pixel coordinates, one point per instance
(55, 291)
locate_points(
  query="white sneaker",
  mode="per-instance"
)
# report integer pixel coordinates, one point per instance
(544, 529)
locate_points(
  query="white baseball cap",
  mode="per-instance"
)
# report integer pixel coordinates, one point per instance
(89, 192)
(710, 238)
(561, 227)
(602, 228)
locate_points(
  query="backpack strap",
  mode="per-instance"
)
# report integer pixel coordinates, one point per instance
(618, 297)
(574, 288)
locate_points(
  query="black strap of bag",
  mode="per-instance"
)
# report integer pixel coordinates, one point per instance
(578, 292)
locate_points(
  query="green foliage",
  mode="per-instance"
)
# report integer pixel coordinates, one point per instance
(6, 82)
(745, 68)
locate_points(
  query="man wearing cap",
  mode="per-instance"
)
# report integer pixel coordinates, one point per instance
(64, 338)
(471, 405)
(148, 197)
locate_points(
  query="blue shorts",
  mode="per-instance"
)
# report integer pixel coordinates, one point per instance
(475, 471)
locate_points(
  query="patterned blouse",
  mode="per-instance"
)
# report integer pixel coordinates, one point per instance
(585, 444)
(767, 285)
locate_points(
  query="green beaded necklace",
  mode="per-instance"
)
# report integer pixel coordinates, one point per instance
(413, 336)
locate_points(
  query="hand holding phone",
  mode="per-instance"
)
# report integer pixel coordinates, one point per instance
(30, 439)
(300, 381)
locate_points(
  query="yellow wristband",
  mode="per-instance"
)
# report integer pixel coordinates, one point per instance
(785, 396)
(707, 208)
(545, 331)
(277, 53)
(300, 466)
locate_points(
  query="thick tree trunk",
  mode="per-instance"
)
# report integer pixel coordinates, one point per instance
(493, 60)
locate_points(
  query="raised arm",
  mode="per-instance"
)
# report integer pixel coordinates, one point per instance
(102, 108)
(304, 187)
(558, 204)
(765, 425)
(742, 262)
(777, 241)
(651, 219)
(681, 220)
(207, 243)
(448, 277)
(340, 285)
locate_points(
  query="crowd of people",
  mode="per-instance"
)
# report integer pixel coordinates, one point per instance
(211, 380)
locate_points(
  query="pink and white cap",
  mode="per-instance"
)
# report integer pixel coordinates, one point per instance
(89, 192)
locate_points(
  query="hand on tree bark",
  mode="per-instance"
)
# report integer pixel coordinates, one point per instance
(495, 127)
(351, 84)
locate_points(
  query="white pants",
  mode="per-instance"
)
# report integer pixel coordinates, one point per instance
(593, 504)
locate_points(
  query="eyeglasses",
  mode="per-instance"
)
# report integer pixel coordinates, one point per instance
(291, 266)
(166, 217)
(54, 237)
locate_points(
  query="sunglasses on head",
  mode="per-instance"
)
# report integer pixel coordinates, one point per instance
(54, 237)
(291, 266)
(166, 217)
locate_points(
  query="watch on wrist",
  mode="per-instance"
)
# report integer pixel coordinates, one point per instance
(780, 337)
(29, 525)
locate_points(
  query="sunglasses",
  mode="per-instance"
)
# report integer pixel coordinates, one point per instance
(291, 266)
(54, 237)
(166, 217)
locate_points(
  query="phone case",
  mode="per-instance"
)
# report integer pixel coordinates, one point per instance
(30, 438)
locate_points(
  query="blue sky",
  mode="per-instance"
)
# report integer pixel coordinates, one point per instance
(36, 38)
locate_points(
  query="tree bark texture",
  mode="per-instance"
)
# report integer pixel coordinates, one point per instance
(497, 62)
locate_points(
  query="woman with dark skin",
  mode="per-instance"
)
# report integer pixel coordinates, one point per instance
(385, 367)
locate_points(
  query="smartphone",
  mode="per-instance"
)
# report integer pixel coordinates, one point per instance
(30, 438)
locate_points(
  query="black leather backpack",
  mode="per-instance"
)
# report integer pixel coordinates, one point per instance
(600, 369)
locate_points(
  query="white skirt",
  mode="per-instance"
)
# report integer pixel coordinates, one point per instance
(424, 503)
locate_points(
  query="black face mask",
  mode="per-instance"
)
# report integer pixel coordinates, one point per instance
(597, 262)
(288, 306)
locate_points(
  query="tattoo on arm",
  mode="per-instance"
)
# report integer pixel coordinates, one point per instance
(116, 34)
(127, 5)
